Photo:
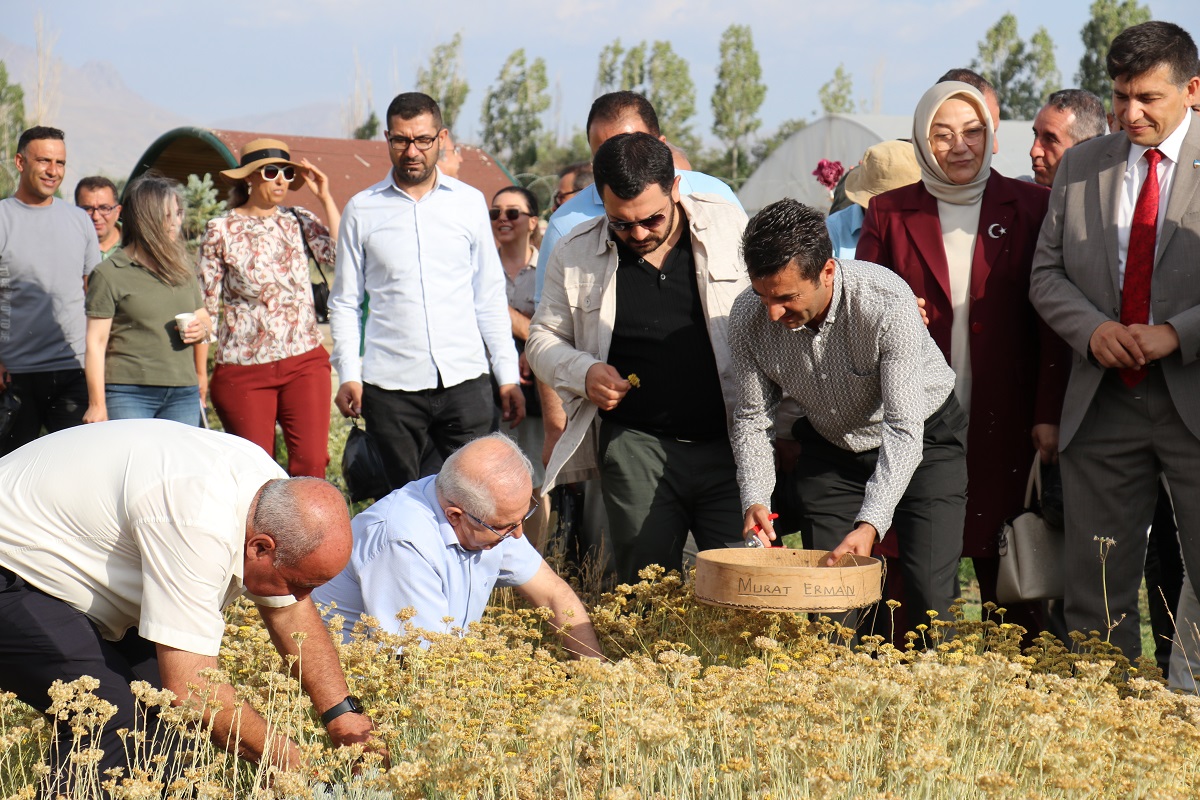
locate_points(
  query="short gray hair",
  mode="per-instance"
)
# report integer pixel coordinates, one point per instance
(278, 514)
(1090, 118)
(478, 497)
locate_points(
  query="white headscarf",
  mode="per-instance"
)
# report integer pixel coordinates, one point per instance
(932, 175)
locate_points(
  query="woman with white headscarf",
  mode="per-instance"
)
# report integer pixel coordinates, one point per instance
(963, 238)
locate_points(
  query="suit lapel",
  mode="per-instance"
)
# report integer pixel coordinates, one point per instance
(1108, 188)
(996, 215)
(925, 232)
(1183, 187)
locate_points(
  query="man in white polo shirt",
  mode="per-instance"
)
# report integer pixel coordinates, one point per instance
(121, 543)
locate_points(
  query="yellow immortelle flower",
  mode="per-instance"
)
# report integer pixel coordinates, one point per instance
(634, 380)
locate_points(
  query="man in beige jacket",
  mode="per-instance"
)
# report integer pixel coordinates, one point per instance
(631, 334)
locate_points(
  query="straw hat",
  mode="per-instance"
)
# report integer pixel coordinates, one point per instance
(257, 154)
(885, 166)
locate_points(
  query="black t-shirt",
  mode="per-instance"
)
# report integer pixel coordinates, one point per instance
(661, 335)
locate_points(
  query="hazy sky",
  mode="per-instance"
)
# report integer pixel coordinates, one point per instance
(217, 59)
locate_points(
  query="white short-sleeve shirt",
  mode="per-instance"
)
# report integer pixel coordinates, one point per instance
(135, 523)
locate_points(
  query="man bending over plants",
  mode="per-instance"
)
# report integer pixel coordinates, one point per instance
(121, 543)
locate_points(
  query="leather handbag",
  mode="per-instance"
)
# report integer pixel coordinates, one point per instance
(362, 467)
(1031, 551)
(320, 290)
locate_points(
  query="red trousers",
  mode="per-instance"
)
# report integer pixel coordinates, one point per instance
(295, 391)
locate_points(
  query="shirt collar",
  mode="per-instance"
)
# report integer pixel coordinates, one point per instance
(449, 537)
(835, 303)
(1169, 147)
(438, 183)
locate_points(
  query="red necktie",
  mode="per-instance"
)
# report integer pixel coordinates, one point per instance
(1139, 259)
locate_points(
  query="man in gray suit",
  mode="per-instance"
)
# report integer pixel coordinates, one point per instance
(1117, 275)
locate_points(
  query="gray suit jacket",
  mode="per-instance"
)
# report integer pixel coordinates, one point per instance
(1074, 284)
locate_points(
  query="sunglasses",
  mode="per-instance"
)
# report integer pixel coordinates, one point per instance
(510, 214)
(649, 223)
(272, 171)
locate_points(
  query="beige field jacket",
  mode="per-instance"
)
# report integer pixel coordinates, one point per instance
(572, 328)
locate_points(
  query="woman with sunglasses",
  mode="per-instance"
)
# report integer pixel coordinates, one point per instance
(271, 364)
(139, 363)
(514, 214)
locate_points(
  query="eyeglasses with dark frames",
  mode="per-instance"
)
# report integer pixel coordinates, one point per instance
(562, 197)
(272, 171)
(510, 214)
(103, 211)
(511, 529)
(401, 143)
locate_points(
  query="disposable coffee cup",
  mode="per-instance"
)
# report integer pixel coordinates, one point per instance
(183, 320)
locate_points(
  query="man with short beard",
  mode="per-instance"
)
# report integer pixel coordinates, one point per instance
(630, 333)
(420, 244)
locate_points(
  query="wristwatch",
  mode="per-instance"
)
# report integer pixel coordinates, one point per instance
(350, 705)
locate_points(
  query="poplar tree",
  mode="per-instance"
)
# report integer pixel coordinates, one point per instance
(739, 92)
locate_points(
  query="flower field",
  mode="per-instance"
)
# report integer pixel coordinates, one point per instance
(697, 702)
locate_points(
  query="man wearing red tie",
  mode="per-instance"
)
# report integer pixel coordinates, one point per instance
(1117, 275)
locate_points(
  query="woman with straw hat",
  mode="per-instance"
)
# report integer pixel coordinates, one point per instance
(963, 238)
(271, 364)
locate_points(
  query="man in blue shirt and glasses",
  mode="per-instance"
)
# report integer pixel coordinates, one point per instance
(440, 544)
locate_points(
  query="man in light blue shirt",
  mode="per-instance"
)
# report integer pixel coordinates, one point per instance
(885, 166)
(420, 244)
(440, 544)
(613, 113)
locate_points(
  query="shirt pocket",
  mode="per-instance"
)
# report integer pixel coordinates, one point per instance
(583, 296)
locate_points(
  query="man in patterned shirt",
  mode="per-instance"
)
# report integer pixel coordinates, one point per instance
(883, 442)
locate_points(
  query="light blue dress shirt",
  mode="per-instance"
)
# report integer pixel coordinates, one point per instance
(406, 555)
(436, 286)
(587, 205)
(845, 227)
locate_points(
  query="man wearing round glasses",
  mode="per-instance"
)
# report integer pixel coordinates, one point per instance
(641, 295)
(420, 245)
(97, 196)
(440, 545)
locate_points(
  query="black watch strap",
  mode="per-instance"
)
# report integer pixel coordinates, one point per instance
(350, 705)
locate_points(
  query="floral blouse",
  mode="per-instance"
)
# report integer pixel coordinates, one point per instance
(258, 267)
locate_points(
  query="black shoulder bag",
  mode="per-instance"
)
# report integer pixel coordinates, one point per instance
(320, 291)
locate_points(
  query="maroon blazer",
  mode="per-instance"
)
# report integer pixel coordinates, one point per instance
(1019, 367)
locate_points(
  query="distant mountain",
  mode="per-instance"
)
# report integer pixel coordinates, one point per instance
(315, 119)
(109, 126)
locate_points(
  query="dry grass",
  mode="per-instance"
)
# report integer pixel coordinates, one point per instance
(697, 703)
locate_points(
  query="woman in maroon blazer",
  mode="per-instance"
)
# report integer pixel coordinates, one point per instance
(963, 238)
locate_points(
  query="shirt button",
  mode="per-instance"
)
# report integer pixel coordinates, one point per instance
(833, 411)
(976, 327)
(662, 277)
(824, 376)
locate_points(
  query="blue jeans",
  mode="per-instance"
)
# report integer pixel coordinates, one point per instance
(129, 401)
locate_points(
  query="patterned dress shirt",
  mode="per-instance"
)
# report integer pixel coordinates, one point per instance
(866, 379)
